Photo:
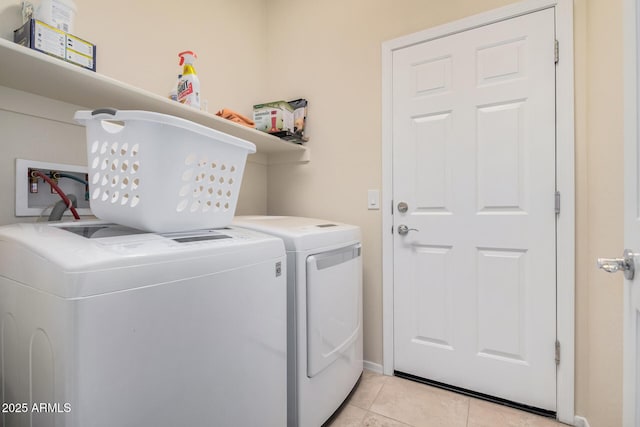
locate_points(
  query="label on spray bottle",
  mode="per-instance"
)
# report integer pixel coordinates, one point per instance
(189, 84)
(185, 88)
(188, 92)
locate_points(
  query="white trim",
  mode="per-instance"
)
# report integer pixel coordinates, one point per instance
(373, 367)
(469, 23)
(630, 72)
(580, 421)
(565, 181)
(387, 206)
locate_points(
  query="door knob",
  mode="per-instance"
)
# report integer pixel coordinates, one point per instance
(404, 230)
(625, 264)
(403, 207)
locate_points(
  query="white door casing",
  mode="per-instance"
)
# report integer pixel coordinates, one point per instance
(565, 183)
(474, 158)
(631, 313)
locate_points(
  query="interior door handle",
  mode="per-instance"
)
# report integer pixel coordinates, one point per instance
(403, 230)
(625, 264)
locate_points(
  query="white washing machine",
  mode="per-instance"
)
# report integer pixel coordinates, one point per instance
(102, 325)
(324, 307)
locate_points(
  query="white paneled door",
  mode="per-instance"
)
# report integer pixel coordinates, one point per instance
(474, 172)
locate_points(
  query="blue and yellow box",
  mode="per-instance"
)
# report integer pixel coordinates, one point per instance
(44, 38)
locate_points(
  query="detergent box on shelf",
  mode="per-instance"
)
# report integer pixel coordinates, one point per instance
(283, 119)
(44, 38)
(273, 117)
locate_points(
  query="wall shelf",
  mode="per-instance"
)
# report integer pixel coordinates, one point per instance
(31, 71)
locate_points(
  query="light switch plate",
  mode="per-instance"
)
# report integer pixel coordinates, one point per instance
(373, 199)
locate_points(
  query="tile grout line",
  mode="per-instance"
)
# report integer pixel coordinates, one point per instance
(361, 423)
(387, 417)
(468, 411)
(428, 387)
(386, 378)
(384, 382)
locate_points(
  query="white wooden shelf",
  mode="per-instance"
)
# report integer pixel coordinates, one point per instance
(31, 71)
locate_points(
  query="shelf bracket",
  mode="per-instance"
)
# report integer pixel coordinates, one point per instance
(289, 157)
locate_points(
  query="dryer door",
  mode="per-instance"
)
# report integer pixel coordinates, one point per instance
(334, 305)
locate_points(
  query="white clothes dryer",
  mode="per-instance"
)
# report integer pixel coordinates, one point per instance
(324, 305)
(102, 325)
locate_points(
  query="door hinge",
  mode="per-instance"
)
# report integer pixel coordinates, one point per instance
(557, 352)
(557, 51)
(557, 203)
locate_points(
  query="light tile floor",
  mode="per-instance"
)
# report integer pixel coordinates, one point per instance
(382, 401)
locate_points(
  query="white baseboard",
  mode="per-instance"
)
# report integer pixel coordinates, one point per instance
(374, 367)
(580, 421)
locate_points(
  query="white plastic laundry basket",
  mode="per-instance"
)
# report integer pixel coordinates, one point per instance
(161, 173)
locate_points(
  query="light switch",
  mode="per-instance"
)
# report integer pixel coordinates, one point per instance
(373, 199)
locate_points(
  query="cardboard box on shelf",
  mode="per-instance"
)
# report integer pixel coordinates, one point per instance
(283, 119)
(299, 116)
(39, 36)
(273, 117)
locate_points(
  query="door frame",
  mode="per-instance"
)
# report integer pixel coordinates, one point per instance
(565, 182)
(631, 97)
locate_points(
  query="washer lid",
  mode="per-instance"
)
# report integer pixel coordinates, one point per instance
(78, 259)
(299, 233)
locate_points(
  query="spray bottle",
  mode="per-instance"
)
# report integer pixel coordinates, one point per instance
(189, 84)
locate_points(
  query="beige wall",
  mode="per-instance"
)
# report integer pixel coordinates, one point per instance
(138, 42)
(601, 197)
(335, 63)
(329, 52)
